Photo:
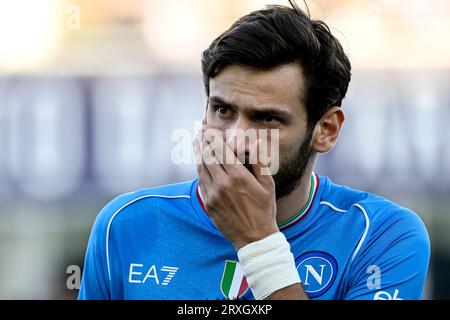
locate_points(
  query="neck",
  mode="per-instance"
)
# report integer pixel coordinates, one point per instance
(289, 206)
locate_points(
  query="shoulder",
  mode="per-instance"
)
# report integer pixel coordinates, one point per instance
(132, 202)
(340, 197)
(382, 219)
(378, 211)
(392, 222)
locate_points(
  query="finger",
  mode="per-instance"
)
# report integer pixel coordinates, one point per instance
(214, 140)
(210, 162)
(260, 169)
(204, 178)
(224, 153)
(221, 151)
(203, 189)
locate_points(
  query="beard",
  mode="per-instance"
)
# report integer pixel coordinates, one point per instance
(292, 169)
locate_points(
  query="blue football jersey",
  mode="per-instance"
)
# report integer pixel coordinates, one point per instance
(159, 243)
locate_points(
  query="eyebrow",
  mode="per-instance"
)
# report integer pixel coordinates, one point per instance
(259, 111)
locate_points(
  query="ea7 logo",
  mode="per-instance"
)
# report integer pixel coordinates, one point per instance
(384, 295)
(171, 273)
(140, 274)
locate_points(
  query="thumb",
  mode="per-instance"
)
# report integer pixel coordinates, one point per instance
(260, 169)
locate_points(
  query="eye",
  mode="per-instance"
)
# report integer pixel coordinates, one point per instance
(267, 118)
(223, 112)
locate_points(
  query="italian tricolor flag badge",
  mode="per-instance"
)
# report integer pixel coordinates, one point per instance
(233, 285)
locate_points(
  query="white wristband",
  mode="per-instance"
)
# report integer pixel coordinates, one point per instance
(268, 265)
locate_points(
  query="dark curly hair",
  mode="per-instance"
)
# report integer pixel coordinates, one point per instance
(279, 35)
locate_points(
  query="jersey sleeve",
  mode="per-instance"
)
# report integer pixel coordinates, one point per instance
(392, 263)
(95, 283)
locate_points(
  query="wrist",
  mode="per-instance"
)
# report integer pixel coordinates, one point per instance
(268, 265)
(249, 238)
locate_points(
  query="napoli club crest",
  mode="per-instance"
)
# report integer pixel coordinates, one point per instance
(317, 272)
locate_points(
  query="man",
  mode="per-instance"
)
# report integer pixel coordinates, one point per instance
(238, 232)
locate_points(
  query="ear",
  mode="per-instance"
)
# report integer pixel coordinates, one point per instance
(327, 129)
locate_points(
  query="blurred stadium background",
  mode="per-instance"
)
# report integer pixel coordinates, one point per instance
(91, 91)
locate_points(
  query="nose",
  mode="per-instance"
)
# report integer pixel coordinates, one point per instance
(240, 137)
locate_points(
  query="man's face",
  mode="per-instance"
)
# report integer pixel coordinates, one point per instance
(243, 98)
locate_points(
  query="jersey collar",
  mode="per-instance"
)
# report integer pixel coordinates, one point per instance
(306, 208)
